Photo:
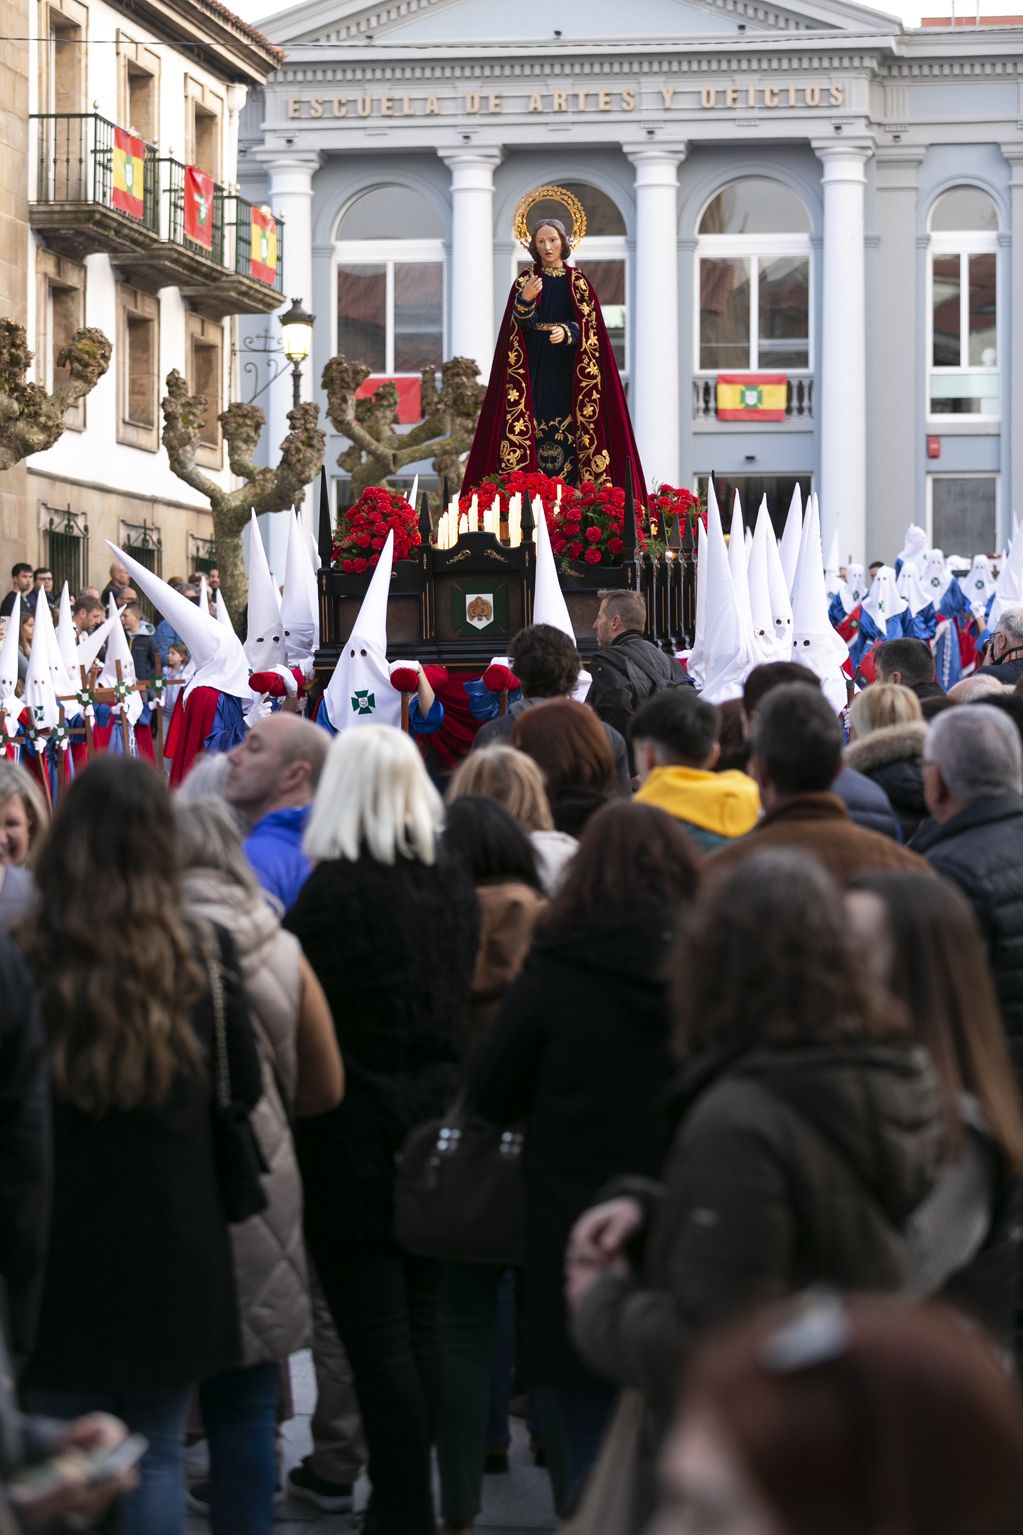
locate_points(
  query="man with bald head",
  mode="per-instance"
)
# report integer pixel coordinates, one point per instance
(272, 777)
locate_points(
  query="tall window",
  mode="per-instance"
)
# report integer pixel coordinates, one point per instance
(963, 306)
(390, 283)
(753, 281)
(602, 258)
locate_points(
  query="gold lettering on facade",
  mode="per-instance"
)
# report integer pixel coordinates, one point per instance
(365, 105)
(628, 101)
(561, 101)
(535, 102)
(432, 106)
(472, 101)
(837, 95)
(708, 96)
(316, 107)
(387, 106)
(494, 102)
(731, 95)
(770, 95)
(340, 106)
(580, 97)
(667, 96)
(407, 109)
(604, 101)
(751, 95)
(294, 106)
(813, 95)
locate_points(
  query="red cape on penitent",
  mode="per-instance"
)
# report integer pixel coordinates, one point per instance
(505, 438)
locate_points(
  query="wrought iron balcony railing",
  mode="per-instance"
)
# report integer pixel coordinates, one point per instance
(74, 164)
(798, 397)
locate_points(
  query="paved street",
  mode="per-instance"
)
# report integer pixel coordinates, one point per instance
(516, 1504)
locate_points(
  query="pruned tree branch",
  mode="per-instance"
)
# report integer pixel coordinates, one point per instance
(30, 419)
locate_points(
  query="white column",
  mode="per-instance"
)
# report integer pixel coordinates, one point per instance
(471, 278)
(842, 366)
(1011, 366)
(654, 361)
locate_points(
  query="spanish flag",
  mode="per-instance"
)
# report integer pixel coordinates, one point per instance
(263, 257)
(751, 396)
(129, 174)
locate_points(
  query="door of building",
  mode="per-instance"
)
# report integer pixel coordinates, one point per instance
(777, 488)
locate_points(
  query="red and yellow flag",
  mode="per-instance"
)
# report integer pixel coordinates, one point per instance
(199, 191)
(128, 194)
(751, 396)
(263, 258)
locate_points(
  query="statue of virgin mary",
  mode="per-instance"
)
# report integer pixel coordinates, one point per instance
(554, 403)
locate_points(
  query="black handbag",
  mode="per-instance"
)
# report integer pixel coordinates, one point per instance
(459, 1194)
(239, 1162)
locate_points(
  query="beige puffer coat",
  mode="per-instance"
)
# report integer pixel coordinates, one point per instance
(269, 1250)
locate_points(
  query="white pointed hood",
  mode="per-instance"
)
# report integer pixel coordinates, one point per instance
(695, 658)
(118, 649)
(264, 641)
(912, 589)
(9, 660)
(215, 651)
(915, 546)
(89, 647)
(359, 691)
(299, 602)
(770, 644)
(1009, 587)
(220, 612)
(788, 549)
(815, 643)
(884, 601)
(979, 583)
(935, 576)
(549, 605)
(46, 676)
(854, 588)
(781, 601)
(204, 595)
(738, 565)
(729, 654)
(832, 571)
(67, 638)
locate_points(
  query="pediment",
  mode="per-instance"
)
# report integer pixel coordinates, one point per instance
(569, 24)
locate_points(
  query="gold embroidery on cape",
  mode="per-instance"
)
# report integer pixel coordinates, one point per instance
(516, 441)
(593, 465)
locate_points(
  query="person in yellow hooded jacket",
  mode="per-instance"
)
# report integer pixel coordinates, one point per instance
(675, 744)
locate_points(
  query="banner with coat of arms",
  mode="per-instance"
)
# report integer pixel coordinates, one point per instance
(129, 174)
(199, 193)
(752, 396)
(263, 258)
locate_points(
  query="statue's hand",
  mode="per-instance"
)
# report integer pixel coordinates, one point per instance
(557, 335)
(532, 288)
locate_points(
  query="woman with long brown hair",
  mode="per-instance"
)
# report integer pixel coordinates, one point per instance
(581, 1051)
(139, 1300)
(920, 938)
(570, 746)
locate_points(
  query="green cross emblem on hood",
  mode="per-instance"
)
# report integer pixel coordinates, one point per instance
(363, 701)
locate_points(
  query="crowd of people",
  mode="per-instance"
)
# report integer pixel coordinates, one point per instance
(716, 1008)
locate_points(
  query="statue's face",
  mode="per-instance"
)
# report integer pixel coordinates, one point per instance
(549, 245)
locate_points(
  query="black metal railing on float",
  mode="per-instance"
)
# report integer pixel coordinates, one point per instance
(75, 164)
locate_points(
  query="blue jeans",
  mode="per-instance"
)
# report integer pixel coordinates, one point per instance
(239, 1411)
(157, 1505)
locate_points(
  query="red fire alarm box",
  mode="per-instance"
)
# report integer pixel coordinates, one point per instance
(934, 447)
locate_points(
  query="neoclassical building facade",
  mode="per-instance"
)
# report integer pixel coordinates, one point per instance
(809, 194)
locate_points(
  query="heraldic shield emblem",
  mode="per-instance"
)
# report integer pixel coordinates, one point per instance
(479, 609)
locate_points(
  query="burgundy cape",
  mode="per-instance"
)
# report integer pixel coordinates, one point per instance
(505, 439)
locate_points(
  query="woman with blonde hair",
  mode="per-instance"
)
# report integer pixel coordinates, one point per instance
(886, 741)
(388, 922)
(24, 819)
(508, 776)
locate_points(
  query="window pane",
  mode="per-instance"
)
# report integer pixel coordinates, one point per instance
(391, 213)
(418, 315)
(983, 352)
(755, 206)
(608, 278)
(964, 208)
(964, 513)
(946, 353)
(785, 313)
(724, 314)
(964, 394)
(362, 315)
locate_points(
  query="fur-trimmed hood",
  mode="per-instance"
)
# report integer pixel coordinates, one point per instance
(893, 743)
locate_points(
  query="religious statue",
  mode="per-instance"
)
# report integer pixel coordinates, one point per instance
(554, 403)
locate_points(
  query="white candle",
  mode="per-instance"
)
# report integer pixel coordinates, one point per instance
(538, 513)
(474, 513)
(515, 519)
(412, 497)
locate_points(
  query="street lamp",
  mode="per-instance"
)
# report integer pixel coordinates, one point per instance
(297, 333)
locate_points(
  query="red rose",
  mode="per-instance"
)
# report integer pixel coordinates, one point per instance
(359, 566)
(363, 540)
(373, 560)
(615, 546)
(378, 543)
(559, 544)
(570, 529)
(592, 556)
(575, 550)
(348, 566)
(594, 535)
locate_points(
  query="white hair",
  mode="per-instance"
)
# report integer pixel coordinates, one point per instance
(375, 796)
(980, 685)
(977, 751)
(1011, 625)
(206, 778)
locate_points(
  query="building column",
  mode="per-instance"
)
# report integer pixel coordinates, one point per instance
(471, 277)
(1010, 359)
(842, 379)
(654, 361)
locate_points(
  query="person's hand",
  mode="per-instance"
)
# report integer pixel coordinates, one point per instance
(74, 1504)
(581, 1274)
(532, 287)
(557, 335)
(600, 1234)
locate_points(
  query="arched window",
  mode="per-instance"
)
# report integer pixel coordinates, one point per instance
(753, 280)
(962, 344)
(602, 258)
(390, 287)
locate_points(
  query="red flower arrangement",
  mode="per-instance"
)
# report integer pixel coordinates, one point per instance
(589, 525)
(670, 503)
(363, 530)
(501, 488)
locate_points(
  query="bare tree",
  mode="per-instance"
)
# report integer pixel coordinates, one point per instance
(450, 412)
(263, 489)
(30, 419)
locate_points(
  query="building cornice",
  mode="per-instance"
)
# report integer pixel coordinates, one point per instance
(211, 34)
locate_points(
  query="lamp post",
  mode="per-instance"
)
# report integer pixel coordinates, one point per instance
(297, 339)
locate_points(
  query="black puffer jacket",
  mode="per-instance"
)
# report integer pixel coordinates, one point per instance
(981, 850)
(892, 759)
(625, 674)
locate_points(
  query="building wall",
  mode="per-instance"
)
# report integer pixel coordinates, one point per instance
(14, 23)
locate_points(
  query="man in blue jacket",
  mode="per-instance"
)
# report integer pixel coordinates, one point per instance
(271, 780)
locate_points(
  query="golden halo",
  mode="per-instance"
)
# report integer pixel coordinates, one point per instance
(572, 206)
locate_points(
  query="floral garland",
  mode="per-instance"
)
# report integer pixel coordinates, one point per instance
(362, 531)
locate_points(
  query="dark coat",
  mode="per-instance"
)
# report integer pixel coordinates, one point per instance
(820, 825)
(790, 1168)
(26, 1148)
(139, 1288)
(394, 948)
(625, 674)
(579, 1051)
(981, 850)
(498, 733)
(1008, 671)
(866, 802)
(893, 759)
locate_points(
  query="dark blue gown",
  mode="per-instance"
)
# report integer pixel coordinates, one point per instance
(550, 373)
